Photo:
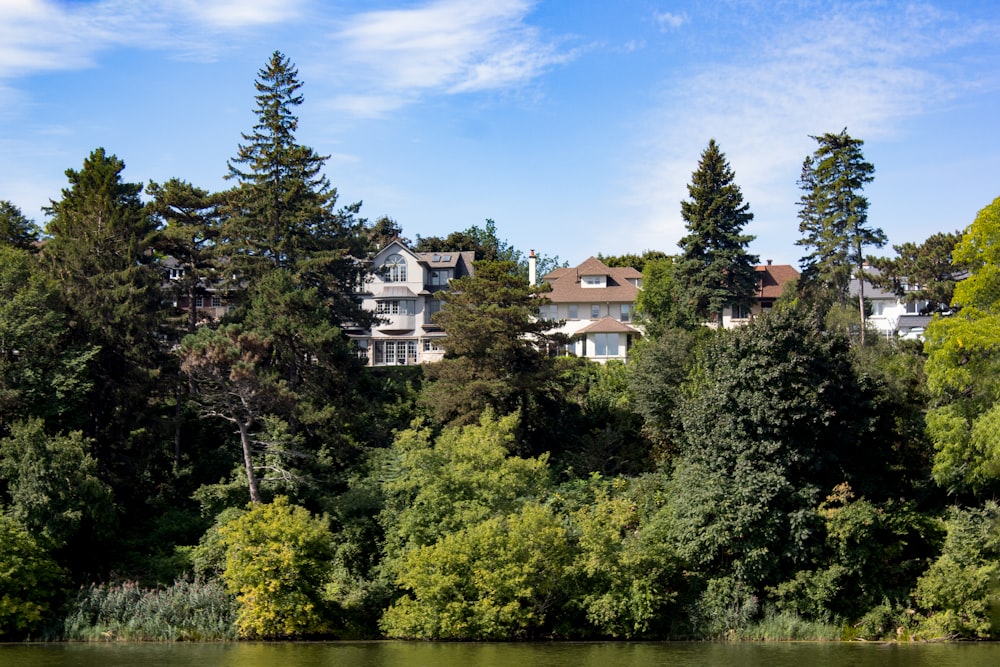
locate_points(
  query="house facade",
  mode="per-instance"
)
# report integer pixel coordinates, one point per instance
(771, 282)
(400, 290)
(890, 315)
(597, 305)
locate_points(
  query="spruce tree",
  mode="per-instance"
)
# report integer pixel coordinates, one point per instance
(282, 213)
(833, 218)
(715, 269)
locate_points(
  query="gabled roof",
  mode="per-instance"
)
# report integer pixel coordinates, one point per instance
(607, 325)
(773, 278)
(566, 287)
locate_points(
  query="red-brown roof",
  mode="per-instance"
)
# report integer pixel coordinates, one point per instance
(773, 278)
(607, 325)
(566, 286)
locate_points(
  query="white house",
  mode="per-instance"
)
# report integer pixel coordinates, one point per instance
(400, 291)
(597, 304)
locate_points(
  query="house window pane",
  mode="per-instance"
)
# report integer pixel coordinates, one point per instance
(626, 312)
(440, 276)
(395, 269)
(574, 312)
(595, 312)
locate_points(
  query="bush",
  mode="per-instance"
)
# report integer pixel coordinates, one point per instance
(29, 581)
(955, 593)
(277, 563)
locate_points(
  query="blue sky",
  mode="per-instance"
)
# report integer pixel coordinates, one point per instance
(575, 125)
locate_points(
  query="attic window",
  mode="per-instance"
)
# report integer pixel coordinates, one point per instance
(446, 258)
(594, 281)
(437, 258)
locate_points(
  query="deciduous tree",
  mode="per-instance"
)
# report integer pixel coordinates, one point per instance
(276, 564)
(963, 367)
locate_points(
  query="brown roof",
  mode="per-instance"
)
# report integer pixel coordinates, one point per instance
(607, 325)
(566, 286)
(773, 278)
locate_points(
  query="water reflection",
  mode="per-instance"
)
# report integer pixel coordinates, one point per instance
(571, 654)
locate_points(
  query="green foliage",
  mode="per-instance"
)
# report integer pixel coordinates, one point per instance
(199, 610)
(281, 214)
(715, 269)
(277, 565)
(29, 581)
(99, 255)
(495, 347)
(959, 588)
(53, 486)
(16, 230)
(189, 221)
(234, 381)
(43, 372)
(637, 262)
(658, 371)
(624, 566)
(963, 367)
(497, 579)
(873, 553)
(438, 486)
(659, 304)
(726, 606)
(773, 416)
(925, 272)
(833, 218)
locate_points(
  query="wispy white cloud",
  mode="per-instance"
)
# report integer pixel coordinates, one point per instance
(669, 20)
(864, 71)
(445, 47)
(43, 35)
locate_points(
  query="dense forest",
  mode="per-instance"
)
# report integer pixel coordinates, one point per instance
(165, 477)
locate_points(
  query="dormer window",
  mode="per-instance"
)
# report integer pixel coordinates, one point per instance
(440, 277)
(395, 269)
(594, 281)
(176, 273)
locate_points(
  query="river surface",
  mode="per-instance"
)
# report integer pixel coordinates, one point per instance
(569, 654)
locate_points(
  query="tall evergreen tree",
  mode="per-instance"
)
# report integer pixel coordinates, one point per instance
(100, 234)
(715, 269)
(282, 213)
(833, 219)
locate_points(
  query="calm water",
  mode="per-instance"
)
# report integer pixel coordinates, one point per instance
(400, 654)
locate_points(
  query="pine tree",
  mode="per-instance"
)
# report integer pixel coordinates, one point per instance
(15, 229)
(189, 234)
(98, 254)
(715, 269)
(833, 218)
(281, 215)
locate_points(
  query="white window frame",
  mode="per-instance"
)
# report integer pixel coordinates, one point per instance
(395, 269)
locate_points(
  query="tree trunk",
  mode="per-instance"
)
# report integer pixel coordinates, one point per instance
(248, 463)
